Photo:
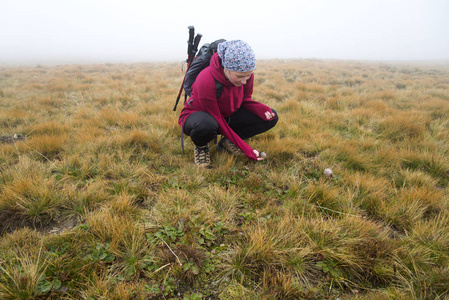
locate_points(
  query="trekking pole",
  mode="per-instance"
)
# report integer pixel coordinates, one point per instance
(192, 48)
(190, 41)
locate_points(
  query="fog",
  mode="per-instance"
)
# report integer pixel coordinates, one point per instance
(85, 31)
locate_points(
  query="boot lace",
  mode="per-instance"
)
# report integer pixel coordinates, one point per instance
(202, 157)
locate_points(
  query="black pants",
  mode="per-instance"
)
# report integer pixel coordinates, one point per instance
(202, 127)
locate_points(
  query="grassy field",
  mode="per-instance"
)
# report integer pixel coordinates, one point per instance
(97, 200)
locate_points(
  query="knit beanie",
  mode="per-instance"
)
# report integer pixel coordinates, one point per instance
(237, 56)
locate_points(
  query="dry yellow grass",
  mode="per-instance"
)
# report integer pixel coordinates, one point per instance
(100, 189)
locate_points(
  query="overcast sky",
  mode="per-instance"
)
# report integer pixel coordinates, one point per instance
(43, 31)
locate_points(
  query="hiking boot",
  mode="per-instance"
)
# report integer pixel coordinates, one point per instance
(226, 144)
(202, 157)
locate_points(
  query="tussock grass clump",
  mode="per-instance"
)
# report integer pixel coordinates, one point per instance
(87, 198)
(429, 162)
(28, 197)
(97, 200)
(368, 191)
(114, 117)
(224, 201)
(13, 118)
(50, 128)
(45, 147)
(21, 276)
(102, 287)
(403, 126)
(415, 178)
(409, 206)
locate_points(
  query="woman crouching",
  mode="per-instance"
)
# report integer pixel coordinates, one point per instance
(234, 115)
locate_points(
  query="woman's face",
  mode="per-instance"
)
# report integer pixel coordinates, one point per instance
(238, 78)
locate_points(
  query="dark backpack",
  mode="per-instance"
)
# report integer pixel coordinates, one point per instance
(200, 62)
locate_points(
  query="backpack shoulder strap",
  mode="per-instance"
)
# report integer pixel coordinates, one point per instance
(218, 87)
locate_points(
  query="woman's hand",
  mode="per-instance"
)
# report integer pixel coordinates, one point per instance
(259, 157)
(269, 115)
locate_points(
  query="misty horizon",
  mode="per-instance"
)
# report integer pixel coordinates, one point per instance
(52, 32)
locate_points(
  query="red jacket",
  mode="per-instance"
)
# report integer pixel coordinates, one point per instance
(204, 98)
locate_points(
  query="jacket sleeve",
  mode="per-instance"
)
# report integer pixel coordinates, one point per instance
(207, 99)
(253, 106)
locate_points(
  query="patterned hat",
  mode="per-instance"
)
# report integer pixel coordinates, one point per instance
(237, 56)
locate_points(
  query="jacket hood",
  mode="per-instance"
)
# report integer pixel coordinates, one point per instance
(217, 70)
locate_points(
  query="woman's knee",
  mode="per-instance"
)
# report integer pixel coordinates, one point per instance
(274, 121)
(201, 127)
